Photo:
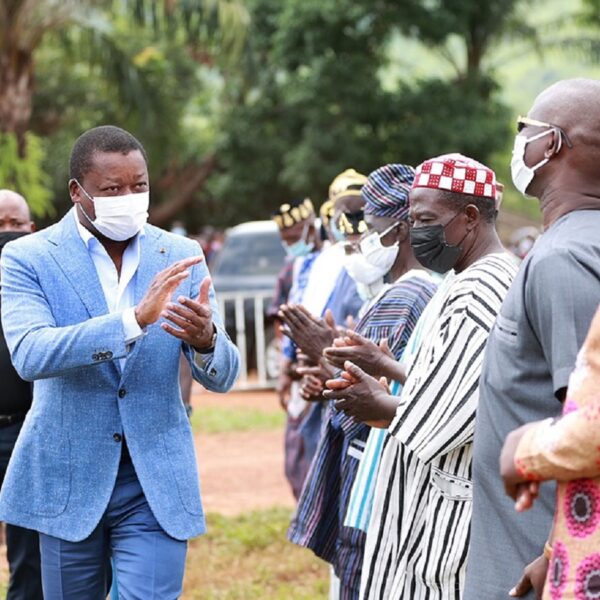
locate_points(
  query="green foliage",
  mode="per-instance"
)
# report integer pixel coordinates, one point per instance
(314, 104)
(24, 174)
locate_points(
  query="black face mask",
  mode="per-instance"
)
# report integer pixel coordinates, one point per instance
(9, 236)
(431, 249)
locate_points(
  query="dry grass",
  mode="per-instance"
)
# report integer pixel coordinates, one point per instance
(249, 558)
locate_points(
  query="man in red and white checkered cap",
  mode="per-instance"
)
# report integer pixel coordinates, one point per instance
(417, 538)
(454, 202)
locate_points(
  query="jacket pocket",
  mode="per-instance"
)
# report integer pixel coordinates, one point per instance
(39, 477)
(179, 446)
(443, 547)
(506, 330)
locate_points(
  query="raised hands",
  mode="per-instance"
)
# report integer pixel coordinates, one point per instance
(376, 359)
(193, 319)
(311, 334)
(152, 305)
(362, 397)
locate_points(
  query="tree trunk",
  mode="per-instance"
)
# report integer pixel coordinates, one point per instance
(16, 89)
(193, 179)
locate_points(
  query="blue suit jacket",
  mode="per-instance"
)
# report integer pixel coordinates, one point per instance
(60, 335)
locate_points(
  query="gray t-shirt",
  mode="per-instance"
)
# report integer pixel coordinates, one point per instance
(530, 354)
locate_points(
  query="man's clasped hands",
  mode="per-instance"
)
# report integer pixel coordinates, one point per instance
(337, 363)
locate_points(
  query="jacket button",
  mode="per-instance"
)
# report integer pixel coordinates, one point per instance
(108, 355)
(95, 357)
(122, 393)
(117, 437)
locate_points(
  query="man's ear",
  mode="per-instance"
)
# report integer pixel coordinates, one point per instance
(473, 216)
(553, 145)
(403, 232)
(74, 191)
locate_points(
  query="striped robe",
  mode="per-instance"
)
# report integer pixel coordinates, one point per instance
(417, 540)
(318, 522)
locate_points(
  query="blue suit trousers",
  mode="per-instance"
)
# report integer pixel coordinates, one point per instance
(147, 563)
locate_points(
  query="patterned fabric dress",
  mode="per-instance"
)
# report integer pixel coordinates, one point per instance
(568, 450)
(417, 541)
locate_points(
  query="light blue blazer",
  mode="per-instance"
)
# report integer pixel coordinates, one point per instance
(60, 335)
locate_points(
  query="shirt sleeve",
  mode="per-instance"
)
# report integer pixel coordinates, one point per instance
(131, 327)
(569, 448)
(562, 297)
(439, 400)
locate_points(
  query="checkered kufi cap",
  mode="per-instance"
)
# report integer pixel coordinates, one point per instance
(456, 173)
(386, 191)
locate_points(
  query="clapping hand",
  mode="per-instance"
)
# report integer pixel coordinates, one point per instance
(362, 397)
(191, 320)
(311, 334)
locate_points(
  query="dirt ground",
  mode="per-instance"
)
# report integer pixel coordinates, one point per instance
(241, 471)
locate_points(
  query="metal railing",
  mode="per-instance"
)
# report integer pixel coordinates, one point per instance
(244, 318)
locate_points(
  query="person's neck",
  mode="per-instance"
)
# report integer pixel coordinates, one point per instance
(486, 242)
(113, 248)
(405, 262)
(556, 202)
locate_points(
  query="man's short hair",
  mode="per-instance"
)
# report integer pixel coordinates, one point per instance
(106, 138)
(487, 206)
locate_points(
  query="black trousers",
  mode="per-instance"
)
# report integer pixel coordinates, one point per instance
(22, 545)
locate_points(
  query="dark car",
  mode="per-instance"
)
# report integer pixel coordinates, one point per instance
(244, 275)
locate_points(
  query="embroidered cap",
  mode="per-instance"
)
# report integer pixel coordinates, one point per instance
(457, 173)
(290, 213)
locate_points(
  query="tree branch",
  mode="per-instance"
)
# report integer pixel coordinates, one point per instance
(194, 180)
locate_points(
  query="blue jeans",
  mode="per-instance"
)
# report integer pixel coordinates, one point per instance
(22, 545)
(147, 563)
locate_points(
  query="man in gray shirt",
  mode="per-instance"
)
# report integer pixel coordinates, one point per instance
(543, 322)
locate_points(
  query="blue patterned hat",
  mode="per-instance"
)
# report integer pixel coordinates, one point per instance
(386, 191)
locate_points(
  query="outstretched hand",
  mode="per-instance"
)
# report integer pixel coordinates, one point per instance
(362, 397)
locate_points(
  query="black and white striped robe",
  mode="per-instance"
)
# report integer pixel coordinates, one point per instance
(418, 536)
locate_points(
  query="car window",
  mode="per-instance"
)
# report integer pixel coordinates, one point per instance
(251, 254)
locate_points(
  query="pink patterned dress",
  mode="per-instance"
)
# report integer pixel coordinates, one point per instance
(568, 450)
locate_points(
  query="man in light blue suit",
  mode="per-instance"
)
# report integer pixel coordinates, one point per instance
(96, 311)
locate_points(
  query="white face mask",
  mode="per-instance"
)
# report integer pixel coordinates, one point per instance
(362, 271)
(376, 254)
(522, 175)
(119, 218)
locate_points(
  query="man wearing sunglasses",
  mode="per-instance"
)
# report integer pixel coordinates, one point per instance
(543, 322)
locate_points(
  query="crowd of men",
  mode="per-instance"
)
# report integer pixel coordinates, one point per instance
(425, 369)
(431, 382)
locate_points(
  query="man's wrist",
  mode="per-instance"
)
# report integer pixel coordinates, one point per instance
(210, 345)
(139, 319)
